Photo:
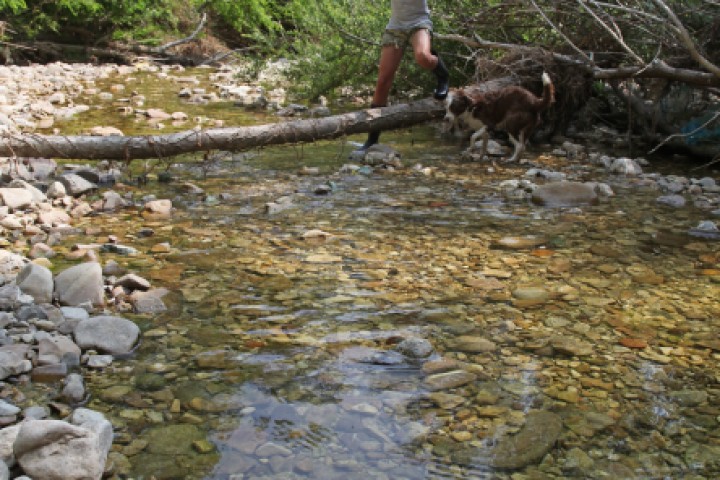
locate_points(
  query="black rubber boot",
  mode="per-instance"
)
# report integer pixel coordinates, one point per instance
(443, 79)
(373, 136)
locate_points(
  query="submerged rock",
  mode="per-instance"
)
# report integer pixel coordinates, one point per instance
(530, 444)
(565, 194)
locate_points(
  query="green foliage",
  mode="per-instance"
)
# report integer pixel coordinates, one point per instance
(13, 6)
(248, 17)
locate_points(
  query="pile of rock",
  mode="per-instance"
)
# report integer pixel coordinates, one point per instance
(56, 326)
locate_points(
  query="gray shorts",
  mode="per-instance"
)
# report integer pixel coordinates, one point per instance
(401, 38)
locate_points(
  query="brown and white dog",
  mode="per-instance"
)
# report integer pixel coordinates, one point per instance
(512, 109)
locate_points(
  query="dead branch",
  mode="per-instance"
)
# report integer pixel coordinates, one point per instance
(687, 41)
(187, 39)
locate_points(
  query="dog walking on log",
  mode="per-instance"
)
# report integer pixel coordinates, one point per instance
(513, 109)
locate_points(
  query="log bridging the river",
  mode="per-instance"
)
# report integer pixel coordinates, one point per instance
(226, 139)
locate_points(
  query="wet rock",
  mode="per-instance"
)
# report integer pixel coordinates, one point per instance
(150, 382)
(449, 380)
(565, 345)
(74, 390)
(577, 462)
(415, 348)
(625, 166)
(565, 194)
(148, 302)
(106, 333)
(173, 439)
(520, 243)
(80, 284)
(36, 281)
(527, 447)
(49, 373)
(689, 398)
(446, 401)
(674, 201)
(472, 344)
(527, 296)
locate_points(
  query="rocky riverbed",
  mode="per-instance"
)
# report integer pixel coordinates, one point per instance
(413, 313)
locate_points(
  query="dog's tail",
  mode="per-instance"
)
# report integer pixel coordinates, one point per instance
(548, 97)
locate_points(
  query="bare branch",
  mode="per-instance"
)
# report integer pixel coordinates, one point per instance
(689, 134)
(615, 35)
(192, 36)
(687, 40)
(565, 37)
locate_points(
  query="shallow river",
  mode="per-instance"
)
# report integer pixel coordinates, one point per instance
(566, 343)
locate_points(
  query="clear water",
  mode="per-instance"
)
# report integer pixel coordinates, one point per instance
(278, 355)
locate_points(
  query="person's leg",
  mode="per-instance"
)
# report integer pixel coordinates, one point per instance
(429, 60)
(390, 57)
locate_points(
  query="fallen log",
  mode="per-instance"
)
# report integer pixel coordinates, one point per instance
(226, 139)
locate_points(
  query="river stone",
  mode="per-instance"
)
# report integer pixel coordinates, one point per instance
(13, 360)
(531, 294)
(56, 190)
(625, 166)
(173, 439)
(16, 198)
(57, 450)
(446, 401)
(520, 243)
(7, 439)
(74, 390)
(565, 345)
(471, 344)
(106, 333)
(96, 423)
(448, 380)
(76, 185)
(12, 298)
(8, 409)
(11, 262)
(36, 281)
(530, 444)
(53, 218)
(80, 284)
(689, 398)
(56, 349)
(674, 201)
(159, 207)
(415, 347)
(565, 194)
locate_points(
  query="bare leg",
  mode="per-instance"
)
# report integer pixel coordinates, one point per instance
(421, 43)
(427, 59)
(390, 57)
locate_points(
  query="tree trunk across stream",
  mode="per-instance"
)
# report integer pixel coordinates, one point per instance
(227, 139)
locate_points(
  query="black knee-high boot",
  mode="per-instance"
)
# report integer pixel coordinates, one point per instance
(443, 79)
(373, 135)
